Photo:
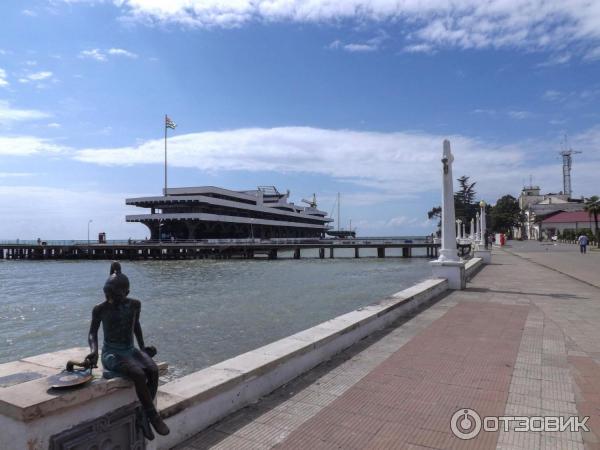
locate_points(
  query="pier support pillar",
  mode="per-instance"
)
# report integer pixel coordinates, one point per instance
(321, 253)
(331, 255)
(273, 254)
(381, 252)
(405, 252)
(356, 252)
(297, 253)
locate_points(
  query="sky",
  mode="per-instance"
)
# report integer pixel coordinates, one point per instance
(314, 96)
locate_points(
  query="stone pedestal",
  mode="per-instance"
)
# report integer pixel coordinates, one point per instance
(101, 414)
(481, 252)
(453, 271)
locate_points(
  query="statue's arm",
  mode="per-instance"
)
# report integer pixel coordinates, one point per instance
(93, 335)
(137, 330)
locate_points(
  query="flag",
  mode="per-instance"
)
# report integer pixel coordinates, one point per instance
(169, 123)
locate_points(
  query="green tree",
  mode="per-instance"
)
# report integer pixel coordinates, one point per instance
(505, 215)
(465, 206)
(436, 211)
(592, 207)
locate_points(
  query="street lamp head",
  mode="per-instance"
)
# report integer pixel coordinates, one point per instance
(482, 204)
(445, 164)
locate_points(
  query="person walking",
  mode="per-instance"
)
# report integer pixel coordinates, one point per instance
(583, 241)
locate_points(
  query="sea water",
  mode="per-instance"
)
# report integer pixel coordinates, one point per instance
(196, 312)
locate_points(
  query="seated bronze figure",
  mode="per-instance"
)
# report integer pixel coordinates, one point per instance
(120, 319)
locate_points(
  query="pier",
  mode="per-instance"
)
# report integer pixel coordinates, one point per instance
(215, 249)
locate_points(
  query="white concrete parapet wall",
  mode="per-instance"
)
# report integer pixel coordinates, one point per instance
(193, 402)
(473, 266)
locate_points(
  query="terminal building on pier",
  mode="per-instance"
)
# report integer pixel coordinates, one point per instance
(209, 212)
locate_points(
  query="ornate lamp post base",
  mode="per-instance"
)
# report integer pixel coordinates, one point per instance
(453, 271)
(481, 252)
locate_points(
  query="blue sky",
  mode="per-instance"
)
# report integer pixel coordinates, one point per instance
(318, 96)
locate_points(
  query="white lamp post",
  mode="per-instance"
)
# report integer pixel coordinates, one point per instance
(449, 265)
(480, 250)
(89, 222)
(483, 225)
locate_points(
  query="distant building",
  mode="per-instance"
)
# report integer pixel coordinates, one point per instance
(568, 220)
(537, 206)
(209, 212)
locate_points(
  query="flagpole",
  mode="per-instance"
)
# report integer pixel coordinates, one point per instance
(165, 155)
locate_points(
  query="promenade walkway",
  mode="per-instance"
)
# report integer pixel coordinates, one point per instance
(521, 340)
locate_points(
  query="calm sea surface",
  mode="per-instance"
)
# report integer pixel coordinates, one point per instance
(196, 312)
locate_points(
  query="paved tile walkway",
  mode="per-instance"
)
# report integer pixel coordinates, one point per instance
(522, 339)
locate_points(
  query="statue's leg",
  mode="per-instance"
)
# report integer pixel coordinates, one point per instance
(130, 367)
(147, 367)
(150, 369)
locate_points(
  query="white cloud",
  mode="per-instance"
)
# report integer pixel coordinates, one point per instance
(489, 112)
(419, 48)
(530, 24)
(64, 213)
(395, 165)
(593, 54)
(36, 76)
(15, 174)
(370, 45)
(335, 44)
(93, 54)
(556, 60)
(552, 95)
(374, 160)
(3, 81)
(513, 114)
(121, 52)
(520, 115)
(54, 125)
(27, 146)
(572, 98)
(102, 55)
(354, 48)
(9, 114)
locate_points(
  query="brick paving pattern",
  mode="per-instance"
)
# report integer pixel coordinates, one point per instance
(522, 339)
(465, 359)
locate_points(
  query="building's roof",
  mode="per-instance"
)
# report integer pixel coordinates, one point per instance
(568, 217)
(552, 200)
(543, 217)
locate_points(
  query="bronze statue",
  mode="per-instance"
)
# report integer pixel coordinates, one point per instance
(120, 319)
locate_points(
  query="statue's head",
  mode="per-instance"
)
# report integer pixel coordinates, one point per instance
(116, 287)
(115, 267)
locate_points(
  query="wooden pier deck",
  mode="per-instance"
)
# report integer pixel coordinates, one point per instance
(244, 249)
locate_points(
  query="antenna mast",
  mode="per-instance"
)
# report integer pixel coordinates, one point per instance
(567, 163)
(338, 205)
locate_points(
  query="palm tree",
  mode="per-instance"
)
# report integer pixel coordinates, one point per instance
(592, 207)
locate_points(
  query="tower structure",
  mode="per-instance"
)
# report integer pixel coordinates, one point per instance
(567, 162)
